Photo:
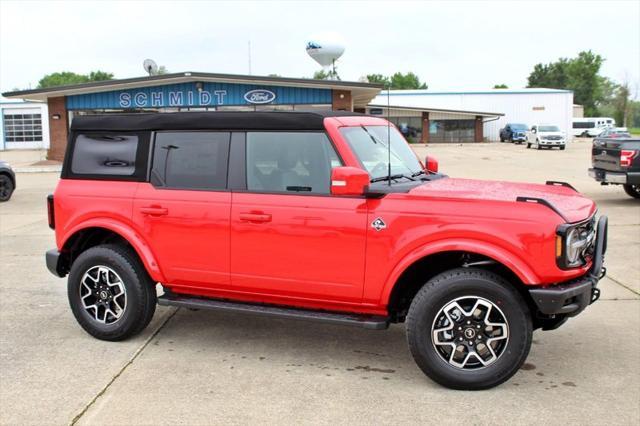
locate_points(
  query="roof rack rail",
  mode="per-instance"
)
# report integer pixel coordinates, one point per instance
(544, 203)
(560, 183)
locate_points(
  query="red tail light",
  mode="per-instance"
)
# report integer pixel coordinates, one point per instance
(627, 156)
(50, 212)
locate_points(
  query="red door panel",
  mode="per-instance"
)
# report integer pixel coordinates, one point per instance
(298, 246)
(189, 233)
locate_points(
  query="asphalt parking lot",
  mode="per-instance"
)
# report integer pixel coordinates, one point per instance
(204, 367)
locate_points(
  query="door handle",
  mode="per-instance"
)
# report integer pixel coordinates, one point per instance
(255, 217)
(154, 211)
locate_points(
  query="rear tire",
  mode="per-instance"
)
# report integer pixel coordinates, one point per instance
(632, 190)
(6, 187)
(434, 308)
(110, 293)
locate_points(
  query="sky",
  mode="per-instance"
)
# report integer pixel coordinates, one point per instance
(452, 45)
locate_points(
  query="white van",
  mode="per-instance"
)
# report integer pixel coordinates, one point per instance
(591, 126)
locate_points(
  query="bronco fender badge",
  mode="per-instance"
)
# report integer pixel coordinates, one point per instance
(378, 224)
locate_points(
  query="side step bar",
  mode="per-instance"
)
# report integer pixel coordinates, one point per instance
(371, 322)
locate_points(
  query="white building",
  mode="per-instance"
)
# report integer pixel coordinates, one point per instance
(23, 125)
(528, 106)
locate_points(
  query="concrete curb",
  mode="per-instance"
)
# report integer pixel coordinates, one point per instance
(38, 169)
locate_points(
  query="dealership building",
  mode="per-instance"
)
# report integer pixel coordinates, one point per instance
(527, 106)
(421, 115)
(191, 91)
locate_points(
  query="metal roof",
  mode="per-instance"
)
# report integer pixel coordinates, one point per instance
(425, 109)
(361, 93)
(525, 91)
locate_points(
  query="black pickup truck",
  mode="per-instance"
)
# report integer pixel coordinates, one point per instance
(617, 162)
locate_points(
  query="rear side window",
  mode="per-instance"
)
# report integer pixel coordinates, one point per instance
(119, 156)
(190, 160)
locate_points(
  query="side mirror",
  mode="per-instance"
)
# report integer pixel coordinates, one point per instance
(349, 181)
(431, 164)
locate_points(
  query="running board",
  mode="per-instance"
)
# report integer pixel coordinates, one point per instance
(371, 322)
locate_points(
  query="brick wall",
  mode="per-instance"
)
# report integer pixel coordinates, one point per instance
(58, 128)
(425, 127)
(479, 129)
(341, 100)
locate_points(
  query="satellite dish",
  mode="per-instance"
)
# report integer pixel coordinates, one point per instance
(326, 50)
(150, 66)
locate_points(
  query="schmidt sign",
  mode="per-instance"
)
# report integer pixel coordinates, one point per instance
(202, 95)
(172, 99)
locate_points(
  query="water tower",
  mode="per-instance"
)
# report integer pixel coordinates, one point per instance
(326, 51)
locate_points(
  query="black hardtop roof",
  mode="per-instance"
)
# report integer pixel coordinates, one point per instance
(213, 120)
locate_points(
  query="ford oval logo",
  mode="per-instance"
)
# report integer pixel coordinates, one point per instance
(259, 96)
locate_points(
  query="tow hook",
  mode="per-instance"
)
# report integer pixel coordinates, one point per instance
(595, 294)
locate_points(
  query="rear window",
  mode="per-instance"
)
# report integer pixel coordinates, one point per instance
(105, 155)
(190, 160)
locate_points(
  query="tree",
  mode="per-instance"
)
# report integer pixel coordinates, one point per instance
(580, 74)
(378, 79)
(406, 81)
(321, 75)
(66, 77)
(500, 86)
(398, 81)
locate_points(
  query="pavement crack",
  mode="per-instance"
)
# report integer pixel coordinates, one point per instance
(124, 367)
(623, 285)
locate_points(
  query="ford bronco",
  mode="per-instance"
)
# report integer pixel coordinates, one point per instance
(317, 216)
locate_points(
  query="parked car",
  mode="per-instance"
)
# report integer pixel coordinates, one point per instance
(7, 181)
(514, 132)
(615, 133)
(298, 215)
(545, 136)
(591, 126)
(616, 161)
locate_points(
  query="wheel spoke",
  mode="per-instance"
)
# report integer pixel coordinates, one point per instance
(470, 332)
(103, 294)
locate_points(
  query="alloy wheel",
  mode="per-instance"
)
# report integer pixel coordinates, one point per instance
(470, 333)
(103, 294)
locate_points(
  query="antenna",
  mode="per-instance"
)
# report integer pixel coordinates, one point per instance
(150, 66)
(249, 54)
(389, 133)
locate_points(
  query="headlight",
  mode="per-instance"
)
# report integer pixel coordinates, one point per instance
(575, 244)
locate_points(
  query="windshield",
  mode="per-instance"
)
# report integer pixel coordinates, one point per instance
(518, 126)
(548, 129)
(369, 143)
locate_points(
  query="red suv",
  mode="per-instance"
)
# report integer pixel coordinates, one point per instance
(317, 216)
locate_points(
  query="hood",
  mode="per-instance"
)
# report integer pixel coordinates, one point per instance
(570, 203)
(551, 133)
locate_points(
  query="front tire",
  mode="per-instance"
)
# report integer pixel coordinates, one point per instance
(632, 190)
(110, 293)
(469, 329)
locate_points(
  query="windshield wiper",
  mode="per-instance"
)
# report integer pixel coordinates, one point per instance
(391, 177)
(418, 173)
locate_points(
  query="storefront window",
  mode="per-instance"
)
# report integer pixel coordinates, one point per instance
(452, 131)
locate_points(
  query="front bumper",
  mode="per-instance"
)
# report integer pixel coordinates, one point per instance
(559, 142)
(631, 178)
(570, 298)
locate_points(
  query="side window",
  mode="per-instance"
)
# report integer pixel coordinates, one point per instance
(290, 162)
(190, 160)
(104, 155)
